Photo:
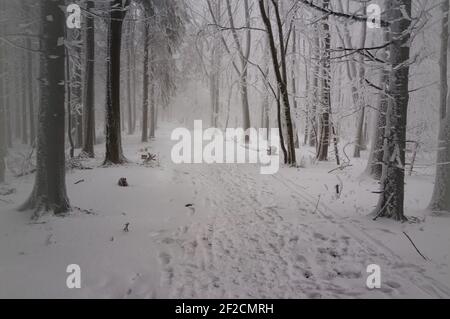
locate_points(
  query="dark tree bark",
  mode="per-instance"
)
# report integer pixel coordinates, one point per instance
(324, 140)
(391, 201)
(30, 93)
(280, 70)
(7, 92)
(146, 82)
(2, 134)
(283, 85)
(3, 142)
(25, 96)
(89, 85)
(49, 193)
(152, 102)
(114, 152)
(129, 77)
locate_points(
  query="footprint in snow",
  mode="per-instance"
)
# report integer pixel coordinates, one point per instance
(164, 258)
(393, 284)
(191, 209)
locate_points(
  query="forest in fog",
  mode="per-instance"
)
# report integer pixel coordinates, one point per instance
(92, 93)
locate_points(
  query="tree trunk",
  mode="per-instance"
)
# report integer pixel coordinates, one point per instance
(359, 142)
(244, 61)
(75, 84)
(89, 85)
(324, 140)
(68, 100)
(49, 193)
(7, 92)
(152, 101)
(280, 70)
(375, 163)
(440, 201)
(2, 134)
(24, 93)
(265, 108)
(114, 152)
(129, 75)
(391, 201)
(313, 134)
(294, 86)
(146, 82)
(17, 100)
(3, 119)
(307, 62)
(215, 72)
(30, 93)
(135, 83)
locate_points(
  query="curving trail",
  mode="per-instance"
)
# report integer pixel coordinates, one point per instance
(255, 236)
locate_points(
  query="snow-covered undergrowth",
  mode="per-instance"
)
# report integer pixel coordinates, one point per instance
(221, 231)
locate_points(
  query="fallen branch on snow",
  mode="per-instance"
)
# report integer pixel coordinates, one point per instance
(415, 246)
(317, 205)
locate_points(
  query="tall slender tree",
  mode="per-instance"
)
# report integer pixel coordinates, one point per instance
(440, 201)
(49, 192)
(3, 119)
(324, 140)
(280, 70)
(313, 135)
(374, 165)
(89, 85)
(24, 88)
(359, 142)
(244, 54)
(114, 152)
(146, 82)
(152, 92)
(391, 201)
(30, 79)
(130, 71)
(214, 74)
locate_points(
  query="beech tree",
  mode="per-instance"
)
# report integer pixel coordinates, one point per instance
(49, 192)
(243, 51)
(214, 74)
(359, 141)
(324, 119)
(391, 201)
(440, 201)
(375, 162)
(280, 70)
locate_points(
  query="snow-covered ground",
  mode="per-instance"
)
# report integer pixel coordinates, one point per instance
(244, 234)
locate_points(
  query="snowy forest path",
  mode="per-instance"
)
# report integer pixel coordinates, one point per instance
(212, 231)
(264, 236)
(428, 285)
